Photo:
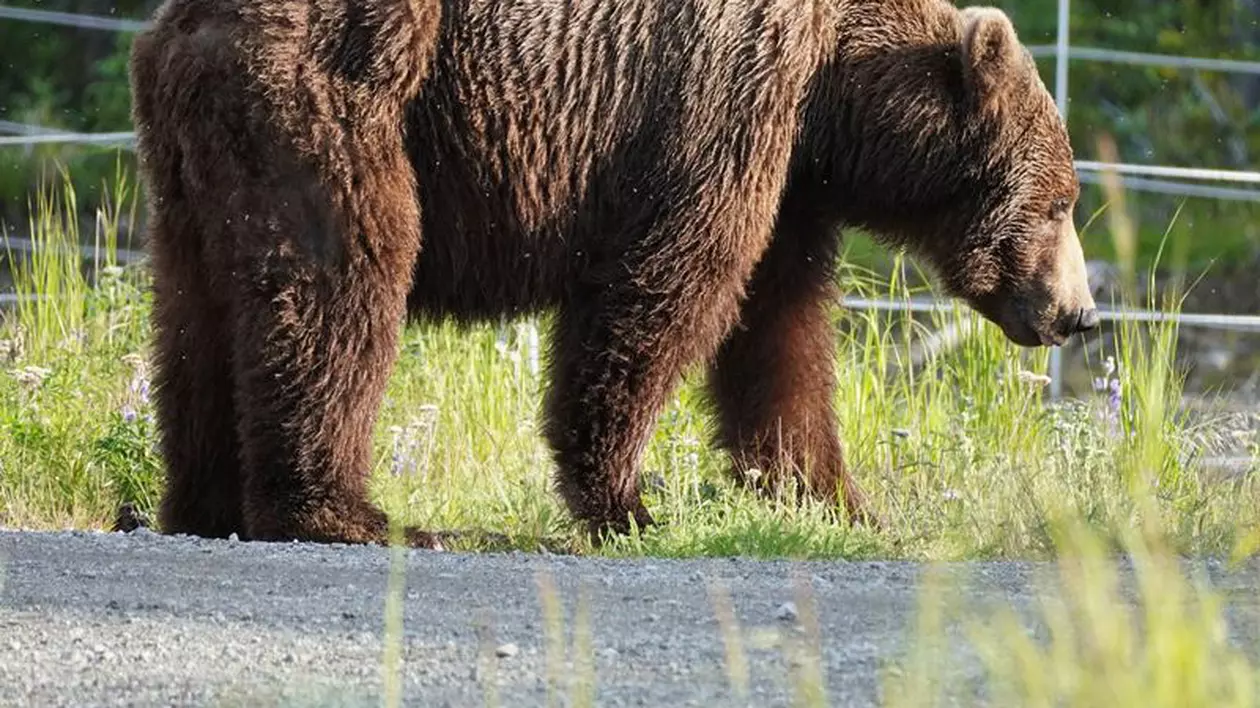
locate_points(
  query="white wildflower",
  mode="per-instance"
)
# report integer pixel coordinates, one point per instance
(31, 376)
(1033, 379)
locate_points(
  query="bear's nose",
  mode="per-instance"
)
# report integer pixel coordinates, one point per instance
(1087, 320)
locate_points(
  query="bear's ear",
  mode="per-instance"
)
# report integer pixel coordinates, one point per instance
(990, 52)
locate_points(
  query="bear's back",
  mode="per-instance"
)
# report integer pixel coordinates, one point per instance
(548, 132)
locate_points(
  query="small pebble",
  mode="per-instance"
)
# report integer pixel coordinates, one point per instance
(506, 651)
(786, 612)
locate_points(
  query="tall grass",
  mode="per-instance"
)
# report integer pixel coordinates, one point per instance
(946, 425)
(76, 432)
(1125, 623)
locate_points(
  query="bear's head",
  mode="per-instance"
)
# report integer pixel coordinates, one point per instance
(959, 154)
(1019, 262)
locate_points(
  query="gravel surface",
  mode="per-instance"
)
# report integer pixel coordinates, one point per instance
(93, 619)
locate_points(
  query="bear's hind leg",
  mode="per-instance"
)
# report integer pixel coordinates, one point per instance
(192, 387)
(316, 329)
(774, 377)
(282, 127)
(192, 334)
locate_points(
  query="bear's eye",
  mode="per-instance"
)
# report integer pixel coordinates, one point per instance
(1059, 208)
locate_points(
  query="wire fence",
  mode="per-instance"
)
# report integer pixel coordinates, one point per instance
(1235, 323)
(1163, 179)
(123, 139)
(1145, 177)
(17, 244)
(72, 19)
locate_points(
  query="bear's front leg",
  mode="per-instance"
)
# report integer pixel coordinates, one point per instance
(621, 347)
(774, 376)
(605, 393)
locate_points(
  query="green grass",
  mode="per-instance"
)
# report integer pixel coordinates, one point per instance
(1153, 637)
(959, 451)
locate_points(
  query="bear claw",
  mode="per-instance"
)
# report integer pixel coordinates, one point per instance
(602, 529)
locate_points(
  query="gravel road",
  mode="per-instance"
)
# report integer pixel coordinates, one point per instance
(93, 619)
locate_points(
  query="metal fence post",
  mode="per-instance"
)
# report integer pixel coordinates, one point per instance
(1061, 99)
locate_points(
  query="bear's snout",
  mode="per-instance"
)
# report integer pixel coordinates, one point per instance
(1077, 321)
(1033, 319)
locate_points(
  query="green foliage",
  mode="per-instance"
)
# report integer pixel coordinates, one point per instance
(1139, 631)
(76, 436)
(1116, 632)
(65, 78)
(1165, 116)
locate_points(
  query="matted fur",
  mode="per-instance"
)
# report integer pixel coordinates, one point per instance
(669, 175)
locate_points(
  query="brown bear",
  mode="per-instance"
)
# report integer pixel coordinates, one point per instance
(668, 176)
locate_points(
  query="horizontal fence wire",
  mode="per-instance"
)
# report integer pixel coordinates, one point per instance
(38, 135)
(1238, 323)
(72, 19)
(1163, 61)
(1158, 186)
(1196, 173)
(13, 128)
(25, 245)
(1098, 54)
(125, 139)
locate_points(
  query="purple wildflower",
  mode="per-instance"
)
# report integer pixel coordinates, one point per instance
(401, 461)
(137, 389)
(1109, 384)
(140, 387)
(399, 458)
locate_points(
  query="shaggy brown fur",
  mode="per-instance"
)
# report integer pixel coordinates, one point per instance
(669, 176)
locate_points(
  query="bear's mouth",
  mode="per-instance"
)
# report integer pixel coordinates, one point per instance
(1052, 339)
(1026, 335)
(1026, 328)
(1020, 323)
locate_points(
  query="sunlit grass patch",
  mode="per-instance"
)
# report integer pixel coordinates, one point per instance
(1172, 649)
(76, 434)
(1128, 624)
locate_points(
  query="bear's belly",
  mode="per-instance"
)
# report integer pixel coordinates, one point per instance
(484, 272)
